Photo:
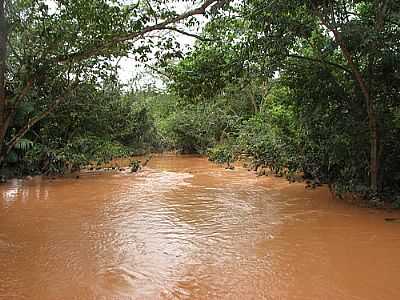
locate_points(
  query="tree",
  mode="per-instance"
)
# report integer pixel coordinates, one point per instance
(364, 33)
(4, 122)
(52, 50)
(338, 60)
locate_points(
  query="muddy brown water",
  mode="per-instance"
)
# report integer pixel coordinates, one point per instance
(186, 229)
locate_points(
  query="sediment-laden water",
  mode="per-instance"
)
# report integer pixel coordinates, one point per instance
(186, 229)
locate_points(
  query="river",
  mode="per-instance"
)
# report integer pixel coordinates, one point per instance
(184, 228)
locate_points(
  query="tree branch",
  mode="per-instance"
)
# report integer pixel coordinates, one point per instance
(157, 71)
(346, 53)
(32, 121)
(100, 49)
(22, 94)
(321, 62)
(381, 7)
(196, 36)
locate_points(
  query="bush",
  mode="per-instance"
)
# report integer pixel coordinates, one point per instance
(221, 154)
(193, 129)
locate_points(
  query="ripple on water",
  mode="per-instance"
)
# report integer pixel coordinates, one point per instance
(186, 229)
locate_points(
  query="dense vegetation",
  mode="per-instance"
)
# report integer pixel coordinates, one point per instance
(61, 104)
(298, 86)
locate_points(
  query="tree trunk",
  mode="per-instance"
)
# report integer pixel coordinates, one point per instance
(371, 110)
(374, 156)
(372, 118)
(3, 100)
(253, 101)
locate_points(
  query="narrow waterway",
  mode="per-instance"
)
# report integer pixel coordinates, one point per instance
(186, 229)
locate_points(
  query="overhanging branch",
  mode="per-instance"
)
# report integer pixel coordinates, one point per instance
(157, 71)
(32, 121)
(321, 61)
(101, 49)
(196, 36)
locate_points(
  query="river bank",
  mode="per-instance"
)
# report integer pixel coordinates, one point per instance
(124, 166)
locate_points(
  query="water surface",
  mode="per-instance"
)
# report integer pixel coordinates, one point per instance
(186, 229)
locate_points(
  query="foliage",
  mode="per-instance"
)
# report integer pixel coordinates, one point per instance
(105, 123)
(221, 154)
(321, 82)
(53, 52)
(192, 129)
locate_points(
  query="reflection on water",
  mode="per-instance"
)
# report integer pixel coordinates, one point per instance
(186, 229)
